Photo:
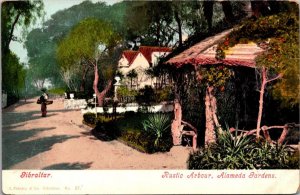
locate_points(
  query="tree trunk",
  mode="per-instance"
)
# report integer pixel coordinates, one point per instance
(210, 135)
(208, 12)
(11, 33)
(83, 79)
(100, 95)
(259, 8)
(176, 124)
(261, 100)
(158, 30)
(227, 9)
(179, 27)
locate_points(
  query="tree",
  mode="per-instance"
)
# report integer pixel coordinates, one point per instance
(13, 14)
(90, 42)
(233, 11)
(42, 65)
(147, 22)
(41, 43)
(132, 75)
(15, 73)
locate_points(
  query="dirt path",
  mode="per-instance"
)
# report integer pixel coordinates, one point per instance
(60, 141)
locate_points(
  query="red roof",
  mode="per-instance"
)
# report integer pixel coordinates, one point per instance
(148, 50)
(130, 55)
(204, 52)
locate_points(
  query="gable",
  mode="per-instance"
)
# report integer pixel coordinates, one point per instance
(148, 50)
(130, 56)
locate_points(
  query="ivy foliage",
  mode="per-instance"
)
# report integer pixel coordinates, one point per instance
(278, 35)
(214, 76)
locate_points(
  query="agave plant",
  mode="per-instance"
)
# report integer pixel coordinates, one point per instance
(157, 124)
(242, 152)
(233, 144)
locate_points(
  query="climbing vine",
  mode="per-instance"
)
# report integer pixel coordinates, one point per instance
(214, 75)
(278, 35)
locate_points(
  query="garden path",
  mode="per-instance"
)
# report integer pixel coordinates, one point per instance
(60, 141)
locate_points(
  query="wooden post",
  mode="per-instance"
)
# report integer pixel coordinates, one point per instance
(261, 101)
(176, 126)
(210, 135)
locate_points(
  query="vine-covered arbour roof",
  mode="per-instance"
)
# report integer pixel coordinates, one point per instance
(204, 53)
(239, 46)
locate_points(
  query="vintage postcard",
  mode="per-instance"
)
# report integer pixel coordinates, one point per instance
(150, 97)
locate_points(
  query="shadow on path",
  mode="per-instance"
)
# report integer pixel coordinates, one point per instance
(69, 166)
(10, 118)
(15, 150)
(18, 104)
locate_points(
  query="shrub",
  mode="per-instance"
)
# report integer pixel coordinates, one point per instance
(139, 140)
(242, 152)
(57, 91)
(106, 131)
(144, 141)
(145, 95)
(126, 95)
(157, 124)
(165, 94)
(90, 118)
(129, 129)
(157, 133)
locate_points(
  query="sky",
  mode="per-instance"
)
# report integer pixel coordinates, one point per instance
(50, 7)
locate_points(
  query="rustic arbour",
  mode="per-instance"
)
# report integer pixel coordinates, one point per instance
(203, 55)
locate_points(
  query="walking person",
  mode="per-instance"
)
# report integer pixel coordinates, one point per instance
(43, 100)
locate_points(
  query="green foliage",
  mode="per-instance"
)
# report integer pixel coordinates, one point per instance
(90, 43)
(15, 14)
(106, 131)
(158, 124)
(132, 74)
(41, 43)
(279, 36)
(57, 91)
(145, 96)
(128, 129)
(13, 74)
(147, 21)
(40, 51)
(83, 42)
(90, 118)
(216, 76)
(144, 141)
(242, 152)
(126, 95)
(164, 94)
(163, 22)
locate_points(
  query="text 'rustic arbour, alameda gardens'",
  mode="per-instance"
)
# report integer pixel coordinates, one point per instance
(199, 84)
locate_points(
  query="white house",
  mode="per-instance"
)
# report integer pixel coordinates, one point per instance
(140, 61)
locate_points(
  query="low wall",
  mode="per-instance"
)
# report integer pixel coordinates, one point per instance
(131, 107)
(4, 100)
(75, 103)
